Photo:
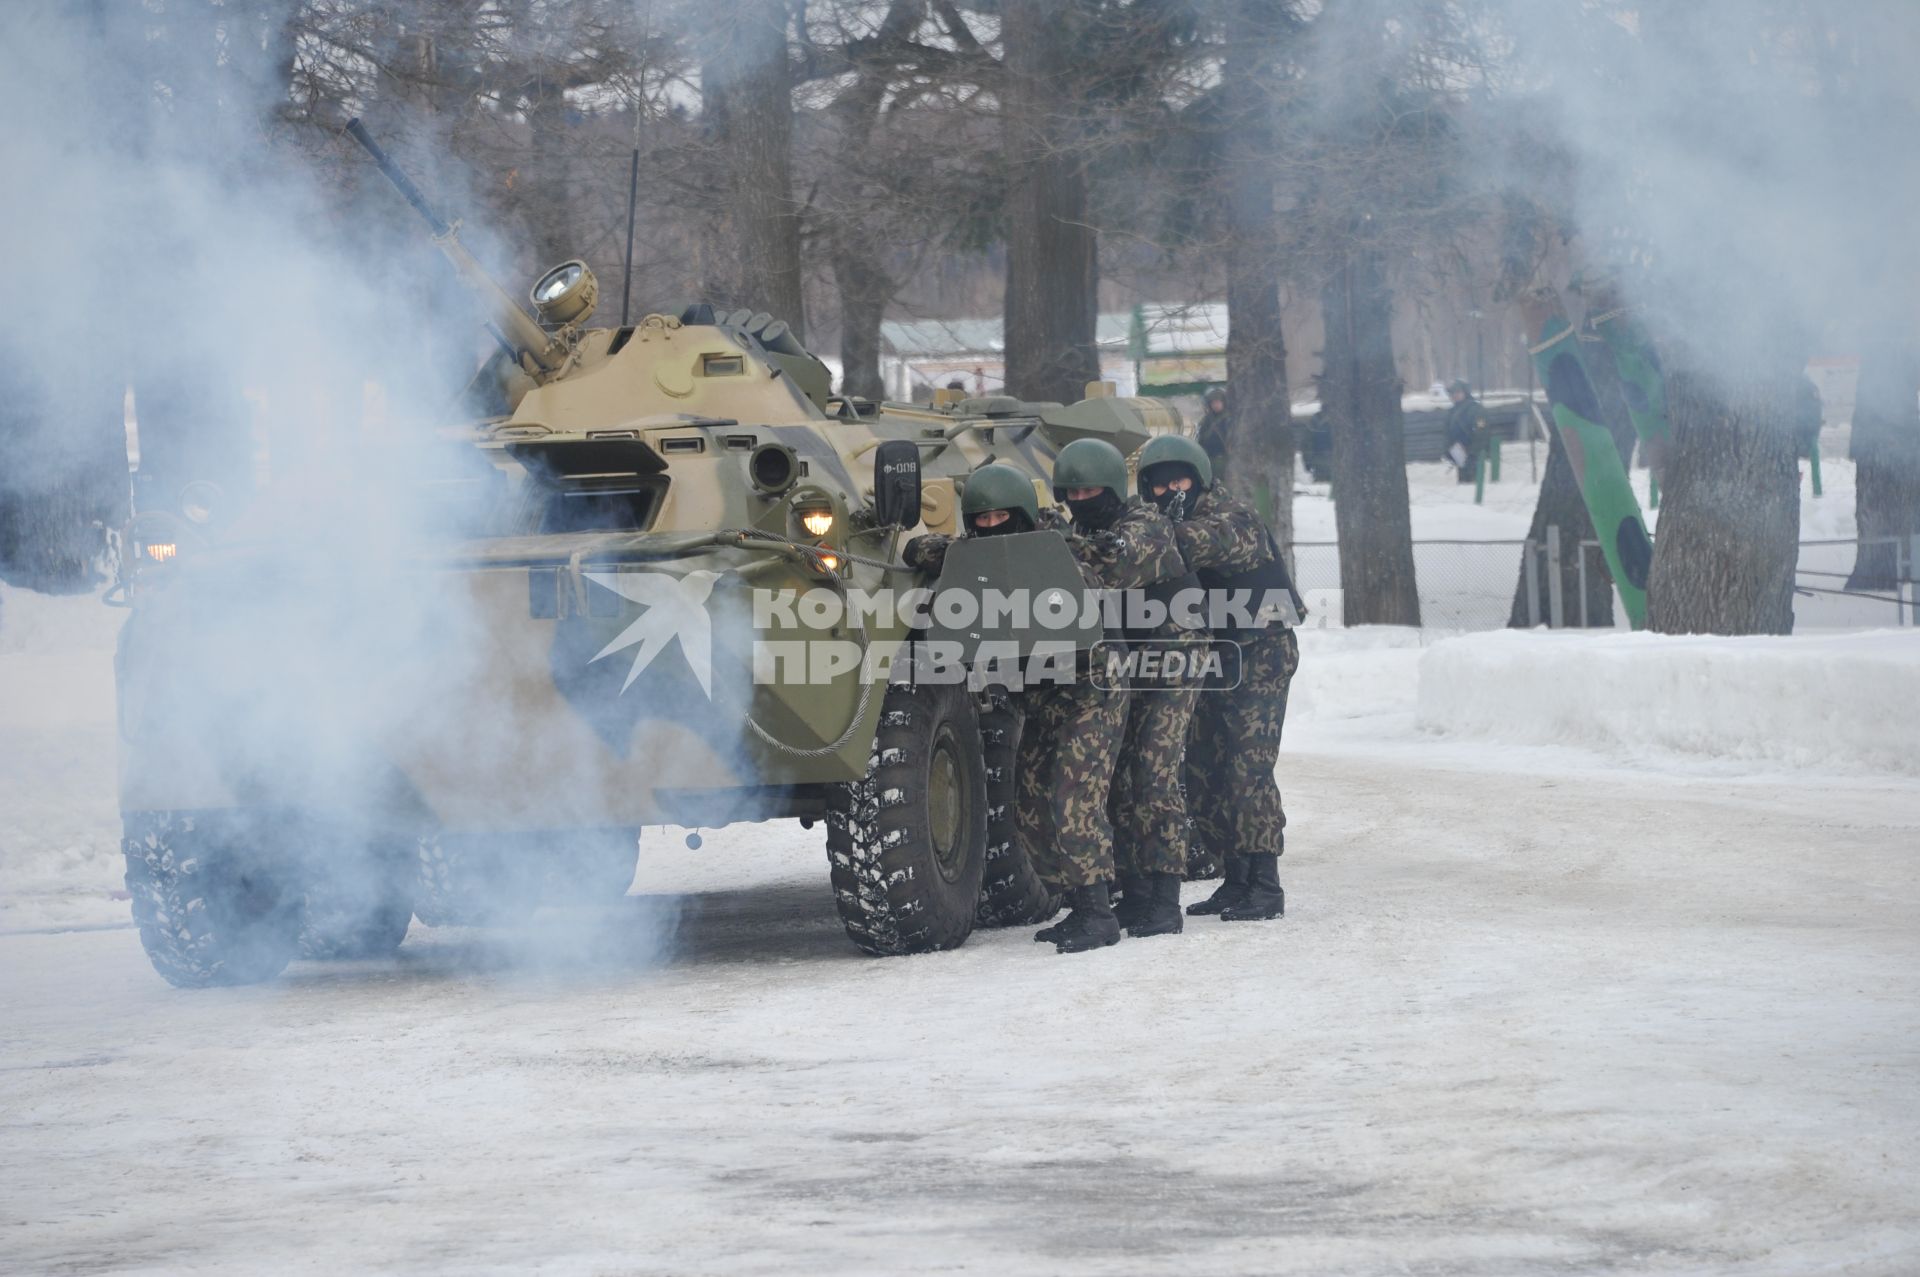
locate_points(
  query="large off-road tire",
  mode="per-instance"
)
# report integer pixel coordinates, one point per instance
(1011, 893)
(478, 880)
(359, 902)
(461, 882)
(907, 841)
(215, 903)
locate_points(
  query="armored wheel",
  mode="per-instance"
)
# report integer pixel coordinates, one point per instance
(1011, 893)
(495, 879)
(908, 840)
(359, 902)
(215, 901)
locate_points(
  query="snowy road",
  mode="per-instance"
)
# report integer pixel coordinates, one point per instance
(1512, 1023)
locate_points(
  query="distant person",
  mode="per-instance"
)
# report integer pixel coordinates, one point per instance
(1216, 427)
(1466, 429)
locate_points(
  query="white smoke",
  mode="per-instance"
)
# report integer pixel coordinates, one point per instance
(167, 230)
(1746, 171)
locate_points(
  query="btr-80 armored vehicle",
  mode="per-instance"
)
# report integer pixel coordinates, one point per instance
(468, 724)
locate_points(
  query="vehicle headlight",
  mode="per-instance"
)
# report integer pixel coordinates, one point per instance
(200, 501)
(817, 522)
(566, 294)
(155, 539)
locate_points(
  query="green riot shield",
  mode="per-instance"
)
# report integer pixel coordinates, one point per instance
(1012, 597)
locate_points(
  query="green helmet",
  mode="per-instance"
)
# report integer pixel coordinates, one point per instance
(1090, 463)
(1178, 450)
(999, 487)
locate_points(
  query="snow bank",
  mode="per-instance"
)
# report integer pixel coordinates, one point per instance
(1348, 675)
(1841, 702)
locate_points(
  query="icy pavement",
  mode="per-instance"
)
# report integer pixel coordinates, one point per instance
(1508, 1025)
(1533, 1007)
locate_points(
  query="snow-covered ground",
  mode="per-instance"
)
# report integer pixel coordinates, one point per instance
(59, 819)
(1552, 993)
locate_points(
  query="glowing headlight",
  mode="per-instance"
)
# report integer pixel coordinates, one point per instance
(566, 294)
(200, 500)
(557, 281)
(160, 551)
(817, 522)
(828, 562)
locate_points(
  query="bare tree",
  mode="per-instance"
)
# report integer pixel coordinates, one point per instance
(1360, 393)
(1259, 454)
(746, 82)
(1886, 450)
(1729, 524)
(1053, 251)
(1375, 188)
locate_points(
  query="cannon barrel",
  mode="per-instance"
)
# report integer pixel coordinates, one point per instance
(530, 344)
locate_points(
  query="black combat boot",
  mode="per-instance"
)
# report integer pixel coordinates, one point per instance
(1065, 898)
(1227, 894)
(1161, 917)
(1091, 925)
(1136, 898)
(1202, 865)
(1263, 898)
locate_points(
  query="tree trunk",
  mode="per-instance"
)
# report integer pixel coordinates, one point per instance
(1053, 268)
(1729, 534)
(1886, 453)
(1259, 458)
(747, 87)
(1360, 394)
(862, 283)
(864, 290)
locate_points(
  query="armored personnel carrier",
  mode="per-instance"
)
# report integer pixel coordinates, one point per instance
(482, 719)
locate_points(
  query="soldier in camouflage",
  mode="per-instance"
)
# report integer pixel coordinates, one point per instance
(1235, 742)
(1069, 736)
(1133, 550)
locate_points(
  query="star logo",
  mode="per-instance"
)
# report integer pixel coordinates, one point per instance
(676, 608)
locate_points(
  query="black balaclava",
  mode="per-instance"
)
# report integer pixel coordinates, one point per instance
(1172, 470)
(1098, 513)
(1017, 521)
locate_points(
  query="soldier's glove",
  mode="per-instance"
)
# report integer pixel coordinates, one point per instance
(1176, 508)
(922, 549)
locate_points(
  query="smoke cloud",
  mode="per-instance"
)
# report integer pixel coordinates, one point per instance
(296, 346)
(1744, 170)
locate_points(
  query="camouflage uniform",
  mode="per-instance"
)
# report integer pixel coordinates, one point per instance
(1147, 807)
(1070, 734)
(1234, 745)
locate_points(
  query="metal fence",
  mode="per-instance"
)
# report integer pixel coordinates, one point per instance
(1827, 592)
(1471, 585)
(1464, 585)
